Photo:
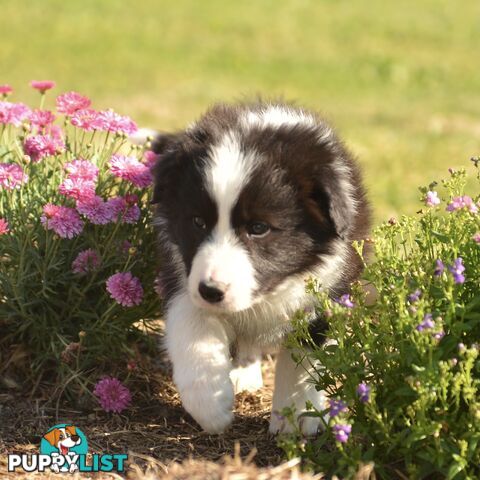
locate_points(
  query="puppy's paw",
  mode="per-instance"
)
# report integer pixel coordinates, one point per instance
(308, 425)
(247, 378)
(210, 404)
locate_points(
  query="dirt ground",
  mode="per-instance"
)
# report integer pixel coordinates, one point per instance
(155, 431)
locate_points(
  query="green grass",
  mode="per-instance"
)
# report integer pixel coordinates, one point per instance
(400, 80)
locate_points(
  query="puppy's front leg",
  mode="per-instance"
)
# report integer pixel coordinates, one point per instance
(199, 350)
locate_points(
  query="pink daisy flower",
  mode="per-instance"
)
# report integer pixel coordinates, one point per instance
(458, 203)
(13, 113)
(70, 102)
(150, 159)
(77, 188)
(64, 221)
(86, 261)
(42, 85)
(96, 210)
(41, 118)
(82, 169)
(110, 121)
(432, 199)
(40, 146)
(128, 212)
(130, 169)
(112, 394)
(12, 176)
(3, 226)
(125, 289)
(5, 90)
(86, 119)
(476, 237)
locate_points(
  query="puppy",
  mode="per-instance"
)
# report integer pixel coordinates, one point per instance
(251, 201)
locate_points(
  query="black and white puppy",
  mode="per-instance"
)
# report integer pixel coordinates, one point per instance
(251, 201)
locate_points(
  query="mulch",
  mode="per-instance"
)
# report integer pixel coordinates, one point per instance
(156, 432)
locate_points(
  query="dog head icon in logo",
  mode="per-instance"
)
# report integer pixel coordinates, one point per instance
(65, 440)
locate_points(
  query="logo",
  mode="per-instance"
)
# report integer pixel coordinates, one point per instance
(64, 448)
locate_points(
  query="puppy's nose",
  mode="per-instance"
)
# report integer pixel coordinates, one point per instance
(75, 438)
(212, 292)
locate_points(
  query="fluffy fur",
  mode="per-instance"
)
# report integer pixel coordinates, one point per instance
(251, 201)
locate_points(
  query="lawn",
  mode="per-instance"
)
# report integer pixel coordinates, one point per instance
(400, 80)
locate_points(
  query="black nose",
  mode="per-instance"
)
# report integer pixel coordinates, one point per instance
(211, 292)
(75, 438)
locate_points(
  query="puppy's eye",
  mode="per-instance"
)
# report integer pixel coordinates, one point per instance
(199, 222)
(258, 229)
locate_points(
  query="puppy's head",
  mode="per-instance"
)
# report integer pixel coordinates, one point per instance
(63, 438)
(251, 195)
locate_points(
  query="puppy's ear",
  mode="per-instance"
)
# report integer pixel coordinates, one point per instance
(52, 437)
(71, 429)
(163, 142)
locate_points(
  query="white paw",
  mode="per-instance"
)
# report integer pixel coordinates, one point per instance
(247, 378)
(309, 426)
(55, 468)
(73, 468)
(210, 404)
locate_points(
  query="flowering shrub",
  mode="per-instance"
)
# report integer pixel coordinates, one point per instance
(403, 376)
(76, 246)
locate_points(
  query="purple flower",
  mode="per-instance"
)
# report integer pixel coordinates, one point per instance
(86, 261)
(112, 394)
(426, 323)
(439, 335)
(342, 432)
(457, 270)
(125, 289)
(345, 300)
(439, 268)
(458, 203)
(11, 176)
(130, 169)
(64, 221)
(336, 407)
(363, 392)
(415, 296)
(432, 199)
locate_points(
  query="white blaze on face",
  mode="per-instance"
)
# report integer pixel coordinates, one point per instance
(222, 258)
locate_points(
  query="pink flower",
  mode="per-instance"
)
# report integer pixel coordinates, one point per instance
(77, 188)
(86, 261)
(86, 119)
(96, 210)
(150, 159)
(12, 176)
(130, 169)
(432, 199)
(458, 203)
(42, 85)
(128, 212)
(110, 121)
(3, 226)
(70, 102)
(82, 169)
(5, 90)
(112, 394)
(125, 289)
(41, 118)
(40, 146)
(476, 237)
(13, 113)
(64, 221)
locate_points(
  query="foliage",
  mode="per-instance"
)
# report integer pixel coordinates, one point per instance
(405, 362)
(55, 310)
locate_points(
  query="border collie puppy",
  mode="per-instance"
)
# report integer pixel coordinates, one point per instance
(251, 201)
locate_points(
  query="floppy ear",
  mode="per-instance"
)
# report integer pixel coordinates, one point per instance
(52, 437)
(163, 141)
(71, 429)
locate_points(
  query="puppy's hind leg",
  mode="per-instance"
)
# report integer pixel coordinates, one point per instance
(293, 388)
(247, 378)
